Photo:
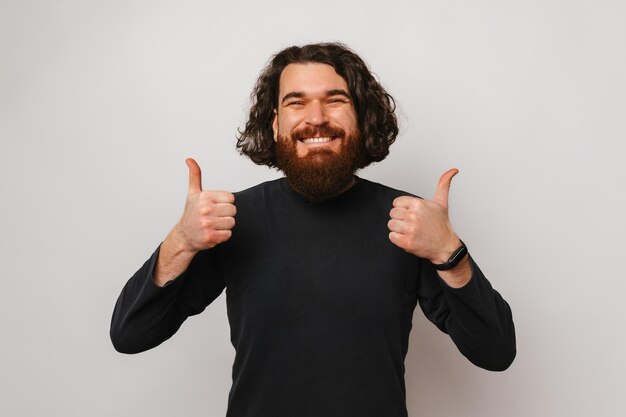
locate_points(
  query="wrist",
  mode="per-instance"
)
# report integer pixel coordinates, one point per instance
(174, 258)
(447, 251)
(178, 243)
(455, 258)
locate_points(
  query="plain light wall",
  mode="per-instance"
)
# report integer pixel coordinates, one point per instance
(101, 102)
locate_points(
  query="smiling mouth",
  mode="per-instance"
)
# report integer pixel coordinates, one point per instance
(318, 140)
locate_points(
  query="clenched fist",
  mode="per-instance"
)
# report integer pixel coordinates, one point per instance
(208, 217)
(422, 227)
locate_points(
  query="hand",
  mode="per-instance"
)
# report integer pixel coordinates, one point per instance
(208, 216)
(422, 227)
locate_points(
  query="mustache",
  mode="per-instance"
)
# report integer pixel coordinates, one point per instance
(321, 131)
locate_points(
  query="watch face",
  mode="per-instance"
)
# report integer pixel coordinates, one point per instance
(456, 256)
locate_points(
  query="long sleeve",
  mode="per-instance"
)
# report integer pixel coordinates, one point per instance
(146, 315)
(319, 304)
(476, 317)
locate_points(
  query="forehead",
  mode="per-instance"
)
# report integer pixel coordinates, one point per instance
(310, 79)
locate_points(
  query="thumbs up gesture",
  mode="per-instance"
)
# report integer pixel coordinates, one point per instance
(207, 221)
(422, 227)
(208, 217)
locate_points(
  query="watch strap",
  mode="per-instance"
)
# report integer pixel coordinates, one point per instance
(454, 259)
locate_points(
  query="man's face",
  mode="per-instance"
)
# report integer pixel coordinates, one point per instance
(315, 129)
(313, 105)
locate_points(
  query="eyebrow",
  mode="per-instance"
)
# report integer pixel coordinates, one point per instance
(329, 93)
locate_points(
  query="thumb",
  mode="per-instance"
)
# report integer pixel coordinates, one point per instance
(443, 188)
(195, 176)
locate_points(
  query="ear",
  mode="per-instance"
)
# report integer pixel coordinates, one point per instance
(275, 126)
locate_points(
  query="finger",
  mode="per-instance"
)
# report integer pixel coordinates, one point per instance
(399, 213)
(222, 223)
(398, 239)
(443, 188)
(221, 236)
(400, 227)
(219, 210)
(405, 201)
(221, 197)
(195, 176)
(225, 210)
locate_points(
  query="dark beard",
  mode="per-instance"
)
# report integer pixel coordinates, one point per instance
(321, 174)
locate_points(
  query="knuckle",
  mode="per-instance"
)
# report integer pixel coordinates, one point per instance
(205, 197)
(210, 236)
(417, 204)
(205, 238)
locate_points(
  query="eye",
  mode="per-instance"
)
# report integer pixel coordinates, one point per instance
(295, 103)
(337, 100)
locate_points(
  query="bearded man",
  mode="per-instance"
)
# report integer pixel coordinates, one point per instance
(323, 269)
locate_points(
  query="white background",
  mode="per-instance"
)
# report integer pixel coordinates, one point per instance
(100, 103)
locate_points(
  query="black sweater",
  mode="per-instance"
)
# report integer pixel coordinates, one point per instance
(320, 304)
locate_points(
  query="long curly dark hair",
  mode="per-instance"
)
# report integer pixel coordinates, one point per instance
(378, 126)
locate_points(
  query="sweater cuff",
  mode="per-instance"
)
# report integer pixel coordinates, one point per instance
(151, 284)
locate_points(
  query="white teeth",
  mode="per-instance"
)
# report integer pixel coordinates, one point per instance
(316, 140)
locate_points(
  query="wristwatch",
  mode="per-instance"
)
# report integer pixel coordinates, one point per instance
(454, 259)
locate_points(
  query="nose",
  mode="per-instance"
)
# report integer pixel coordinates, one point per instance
(316, 114)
